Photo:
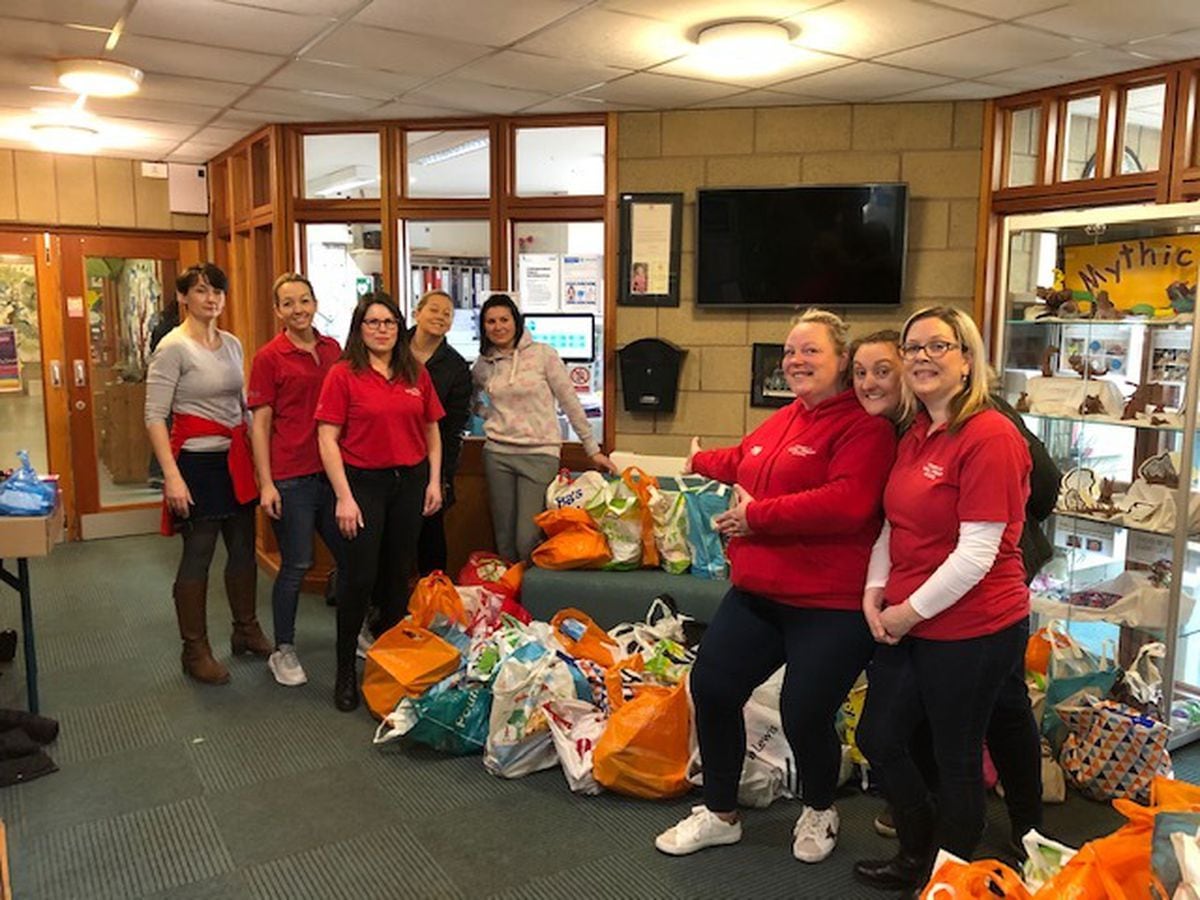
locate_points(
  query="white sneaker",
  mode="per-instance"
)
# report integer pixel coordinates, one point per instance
(699, 830)
(285, 665)
(364, 642)
(815, 834)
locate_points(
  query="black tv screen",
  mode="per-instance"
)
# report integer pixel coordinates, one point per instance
(838, 245)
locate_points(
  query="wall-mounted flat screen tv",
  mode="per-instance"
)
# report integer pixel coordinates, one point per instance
(819, 245)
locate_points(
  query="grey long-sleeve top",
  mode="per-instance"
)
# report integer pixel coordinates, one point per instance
(187, 377)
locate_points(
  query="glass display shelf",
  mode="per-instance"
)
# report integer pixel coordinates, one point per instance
(1106, 420)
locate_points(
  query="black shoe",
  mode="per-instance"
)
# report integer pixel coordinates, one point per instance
(900, 873)
(345, 691)
(8, 645)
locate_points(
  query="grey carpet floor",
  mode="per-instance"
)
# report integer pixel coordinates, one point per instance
(169, 789)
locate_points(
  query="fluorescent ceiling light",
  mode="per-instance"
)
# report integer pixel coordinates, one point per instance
(341, 180)
(452, 152)
(51, 137)
(99, 77)
(734, 49)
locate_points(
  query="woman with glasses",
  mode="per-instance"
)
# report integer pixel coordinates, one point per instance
(285, 381)
(945, 596)
(195, 378)
(378, 436)
(808, 487)
(525, 382)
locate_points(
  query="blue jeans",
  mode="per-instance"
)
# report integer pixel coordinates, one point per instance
(308, 505)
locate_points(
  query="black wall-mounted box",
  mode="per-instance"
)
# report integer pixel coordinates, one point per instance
(650, 375)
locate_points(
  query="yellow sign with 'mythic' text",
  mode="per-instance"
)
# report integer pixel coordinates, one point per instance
(1135, 273)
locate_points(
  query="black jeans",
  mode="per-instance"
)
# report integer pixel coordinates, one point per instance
(385, 548)
(307, 506)
(749, 638)
(431, 546)
(953, 685)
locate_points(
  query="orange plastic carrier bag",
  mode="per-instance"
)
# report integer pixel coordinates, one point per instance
(582, 637)
(405, 662)
(644, 751)
(574, 542)
(434, 595)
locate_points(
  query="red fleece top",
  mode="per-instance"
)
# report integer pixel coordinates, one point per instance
(184, 427)
(817, 478)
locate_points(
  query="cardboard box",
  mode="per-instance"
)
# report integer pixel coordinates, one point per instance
(30, 535)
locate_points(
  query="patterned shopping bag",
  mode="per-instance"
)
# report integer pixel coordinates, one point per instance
(1112, 750)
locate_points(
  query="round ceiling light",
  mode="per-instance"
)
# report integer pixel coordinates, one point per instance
(744, 48)
(99, 77)
(56, 137)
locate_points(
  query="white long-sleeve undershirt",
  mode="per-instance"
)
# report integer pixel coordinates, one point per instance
(972, 558)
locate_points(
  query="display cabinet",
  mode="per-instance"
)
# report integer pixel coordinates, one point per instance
(1095, 349)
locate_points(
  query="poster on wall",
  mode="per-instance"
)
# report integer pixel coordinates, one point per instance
(10, 363)
(1138, 274)
(581, 284)
(537, 275)
(651, 235)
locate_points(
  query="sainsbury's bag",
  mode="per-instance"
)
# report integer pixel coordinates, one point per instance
(645, 749)
(405, 661)
(435, 601)
(582, 637)
(574, 541)
(1112, 751)
(641, 485)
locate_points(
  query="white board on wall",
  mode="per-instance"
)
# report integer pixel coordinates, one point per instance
(187, 188)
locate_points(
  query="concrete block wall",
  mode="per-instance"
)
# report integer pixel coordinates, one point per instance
(48, 189)
(935, 147)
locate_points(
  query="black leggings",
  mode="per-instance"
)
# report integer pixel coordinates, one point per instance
(383, 551)
(431, 548)
(200, 542)
(749, 638)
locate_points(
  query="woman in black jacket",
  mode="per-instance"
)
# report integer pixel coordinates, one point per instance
(452, 380)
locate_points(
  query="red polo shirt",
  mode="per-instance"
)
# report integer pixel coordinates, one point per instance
(383, 422)
(288, 379)
(978, 474)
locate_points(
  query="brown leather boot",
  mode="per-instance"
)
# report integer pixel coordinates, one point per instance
(197, 658)
(247, 636)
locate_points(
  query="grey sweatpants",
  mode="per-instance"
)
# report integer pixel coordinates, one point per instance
(517, 485)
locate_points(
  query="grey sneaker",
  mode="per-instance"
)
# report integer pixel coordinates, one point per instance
(285, 666)
(365, 640)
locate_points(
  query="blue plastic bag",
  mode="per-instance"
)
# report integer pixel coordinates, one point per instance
(454, 720)
(24, 494)
(703, 502)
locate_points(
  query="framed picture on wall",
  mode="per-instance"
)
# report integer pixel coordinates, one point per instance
(768, 385)
(648, 262)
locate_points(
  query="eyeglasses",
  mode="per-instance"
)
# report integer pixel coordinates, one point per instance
(380, 324)
(933, 349)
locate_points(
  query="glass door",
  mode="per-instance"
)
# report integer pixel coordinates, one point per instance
(120, 299)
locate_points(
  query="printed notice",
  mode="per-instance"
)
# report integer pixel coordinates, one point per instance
(538, 281)
(650, 248)
(581, 284)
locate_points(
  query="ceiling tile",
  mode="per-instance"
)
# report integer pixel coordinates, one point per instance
(526, 71)
(154, 110)
(1006, 9)
(1118, 21)
(661, 91)
(174, 57)
(220, 136)
(25, 38)
(218, 24)
(246, 122)
(403, 109)
(27, 71)
(306, 103)
(760, 98)
(800, 62)
(987, 50)
(102, 13)
(329, 8)
(163, 131)
(860, 82)
(195, 152)
(868, 28)
(474, 97)
(1090, 64)
(955, 90)
(203, 91)
(693, 13)
(392, 51)
(322, 76)
(575, 105)
(611, 39)
(1182, 45)
(493, 23)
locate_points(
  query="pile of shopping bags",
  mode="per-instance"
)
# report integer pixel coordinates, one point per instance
(594, 521)
(465, 674)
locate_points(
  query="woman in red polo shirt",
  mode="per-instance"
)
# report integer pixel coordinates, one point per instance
(809, 482)
(378, 435)
(285, 381)
(946, 596)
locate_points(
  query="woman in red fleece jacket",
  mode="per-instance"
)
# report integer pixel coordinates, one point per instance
(809, 482)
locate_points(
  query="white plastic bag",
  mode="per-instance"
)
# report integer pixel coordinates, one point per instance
(519, 740)
(662, 622)
(584, 492)
(620, 521)
(670, 530)
(575, 727)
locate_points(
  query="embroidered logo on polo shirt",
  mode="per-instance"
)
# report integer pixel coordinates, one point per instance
(801, 450)
(414, 391)
(932, 471)
(756, 449)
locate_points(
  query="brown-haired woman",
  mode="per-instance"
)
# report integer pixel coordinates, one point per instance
(195, 377)
(285, 381)
(378, 435)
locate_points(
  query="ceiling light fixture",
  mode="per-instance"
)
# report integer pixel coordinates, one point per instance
(56, 137)
(99, 77)
(452, 152)
(743, 48)
(342, 180)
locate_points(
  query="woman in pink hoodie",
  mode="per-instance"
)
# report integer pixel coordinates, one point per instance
(524, 383)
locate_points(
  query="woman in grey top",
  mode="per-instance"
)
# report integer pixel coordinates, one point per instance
(208, 474)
